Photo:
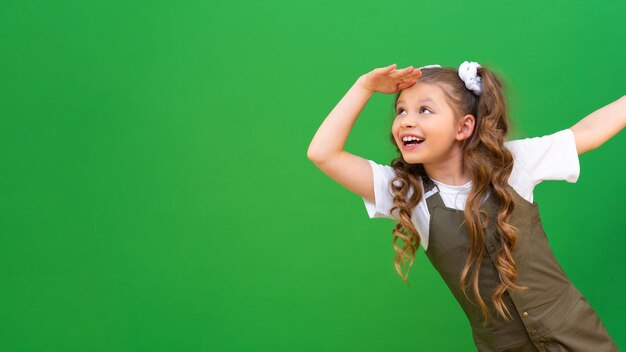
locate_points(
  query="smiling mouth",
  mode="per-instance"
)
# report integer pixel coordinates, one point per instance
(407, 147)
(412, 142)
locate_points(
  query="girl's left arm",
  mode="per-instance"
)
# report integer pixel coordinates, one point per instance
(599, 126)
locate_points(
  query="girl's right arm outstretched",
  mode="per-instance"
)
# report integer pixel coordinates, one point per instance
(326, 149)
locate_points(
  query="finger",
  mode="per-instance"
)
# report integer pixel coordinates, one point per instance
(385, 70)
(406, 85)
(412, 75)
(406, 71)
(409, 78)
(389, 68)
(401, 72)
(416, 74)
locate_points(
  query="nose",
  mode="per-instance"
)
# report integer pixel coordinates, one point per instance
(407, 121)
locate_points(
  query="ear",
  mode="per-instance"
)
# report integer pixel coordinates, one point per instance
(466, 127)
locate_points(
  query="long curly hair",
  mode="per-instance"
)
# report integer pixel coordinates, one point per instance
(490, 164)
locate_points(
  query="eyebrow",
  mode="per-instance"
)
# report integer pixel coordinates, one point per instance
(422, 100)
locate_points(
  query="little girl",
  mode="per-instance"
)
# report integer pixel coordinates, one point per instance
(464, 192)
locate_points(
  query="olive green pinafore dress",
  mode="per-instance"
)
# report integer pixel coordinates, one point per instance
(552, 315)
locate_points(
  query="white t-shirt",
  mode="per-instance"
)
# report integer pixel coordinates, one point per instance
(551, 157)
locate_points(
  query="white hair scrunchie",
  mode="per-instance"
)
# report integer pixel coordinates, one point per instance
(468, 71)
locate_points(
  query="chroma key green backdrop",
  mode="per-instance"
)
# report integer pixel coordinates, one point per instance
(156, 194)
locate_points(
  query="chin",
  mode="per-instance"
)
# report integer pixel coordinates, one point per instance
(410, 160)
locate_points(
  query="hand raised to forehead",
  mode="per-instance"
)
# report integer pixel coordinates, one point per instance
(388, 80)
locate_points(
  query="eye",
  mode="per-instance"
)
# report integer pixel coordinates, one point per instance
(400, 110)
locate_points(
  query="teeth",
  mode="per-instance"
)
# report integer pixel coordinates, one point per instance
(411, 138)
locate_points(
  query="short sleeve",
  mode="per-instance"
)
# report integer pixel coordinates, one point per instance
(551, 157)
(380, 208)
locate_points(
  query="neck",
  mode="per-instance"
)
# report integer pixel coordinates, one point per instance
(450, 171)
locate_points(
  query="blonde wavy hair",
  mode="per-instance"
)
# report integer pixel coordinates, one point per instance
(490, 164)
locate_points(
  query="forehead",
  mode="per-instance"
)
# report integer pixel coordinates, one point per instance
(422, 92)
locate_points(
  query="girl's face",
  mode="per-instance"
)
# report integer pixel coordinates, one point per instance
(422, 111)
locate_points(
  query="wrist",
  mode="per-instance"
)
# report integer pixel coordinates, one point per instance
(360, 83)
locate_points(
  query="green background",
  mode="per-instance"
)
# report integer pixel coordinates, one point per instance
(156, 194)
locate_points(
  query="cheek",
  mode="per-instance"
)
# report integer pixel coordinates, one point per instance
(394, 131)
